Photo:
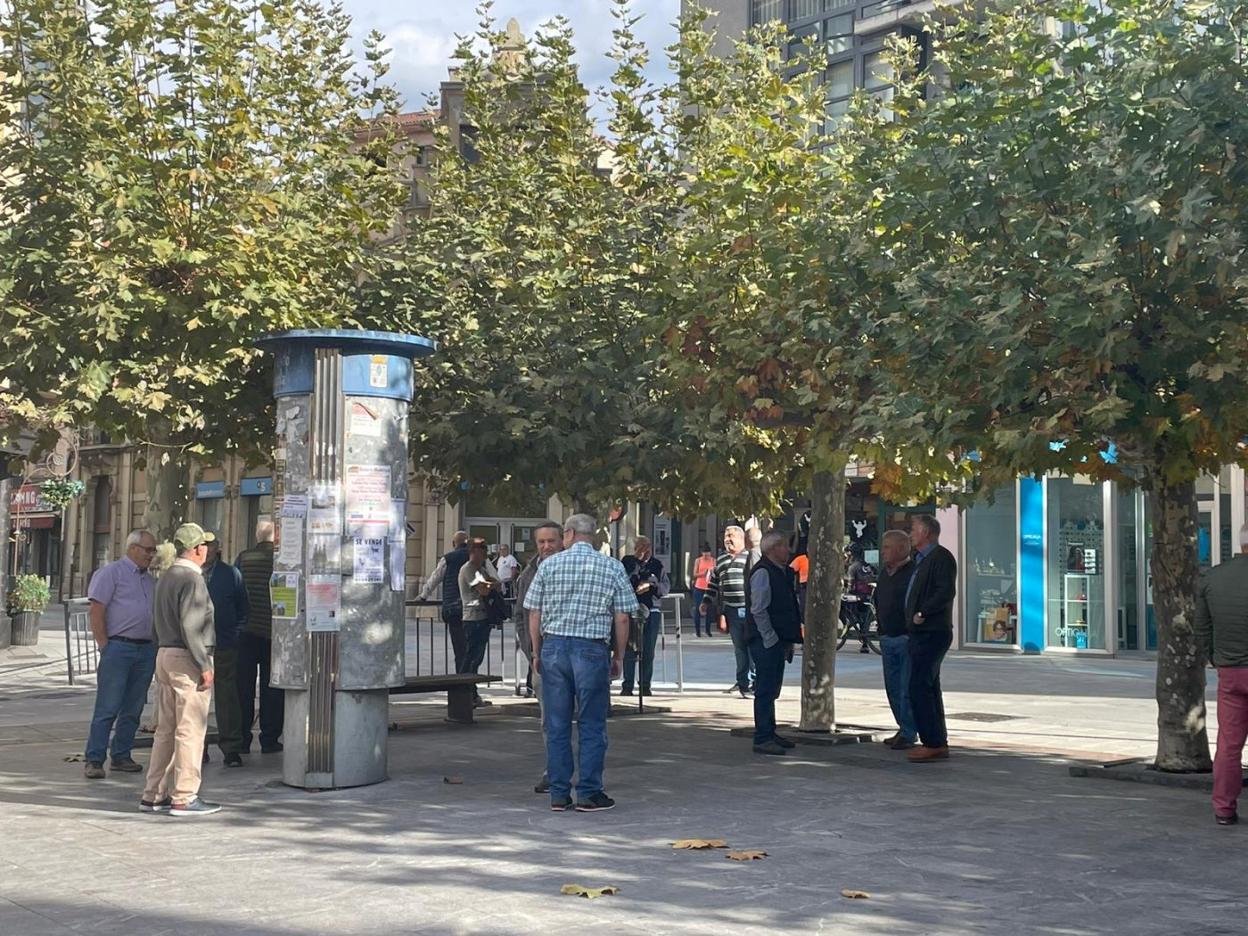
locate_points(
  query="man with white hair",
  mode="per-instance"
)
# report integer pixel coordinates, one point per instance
(121, 622)
(774, 625)
(579, 607)
(255, 647)
(1222, 636)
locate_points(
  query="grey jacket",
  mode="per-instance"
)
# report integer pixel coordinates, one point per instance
(1222, 613)
(182, 612)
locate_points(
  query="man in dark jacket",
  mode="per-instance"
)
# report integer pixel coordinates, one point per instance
(255, 646)
(229, 607)
(929, 617)
(444, 584)
(890, 611)
(650, 582)
(1222, 635)
(773, 625)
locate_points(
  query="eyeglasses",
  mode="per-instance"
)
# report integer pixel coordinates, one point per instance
(150, 550)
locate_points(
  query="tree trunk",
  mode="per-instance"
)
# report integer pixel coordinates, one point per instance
(823, 600)
(1182, 742)
(168, 493)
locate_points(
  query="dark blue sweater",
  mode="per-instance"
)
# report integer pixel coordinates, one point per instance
(229, 603)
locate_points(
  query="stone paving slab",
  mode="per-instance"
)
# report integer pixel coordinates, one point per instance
(987, 842)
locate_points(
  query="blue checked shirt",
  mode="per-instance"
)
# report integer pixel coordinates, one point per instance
(579, 592)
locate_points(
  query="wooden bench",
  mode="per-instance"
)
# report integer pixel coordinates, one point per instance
(460, 688)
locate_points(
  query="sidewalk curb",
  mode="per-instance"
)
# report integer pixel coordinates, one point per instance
(1141, 770)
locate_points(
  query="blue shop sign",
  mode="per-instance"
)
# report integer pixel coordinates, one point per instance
(256, 487)
(208, 490)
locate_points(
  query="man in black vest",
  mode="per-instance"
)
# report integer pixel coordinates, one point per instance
(773, 625)
(445, 582)
(929, 616)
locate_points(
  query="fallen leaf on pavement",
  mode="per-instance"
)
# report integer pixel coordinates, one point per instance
(856, 895)
(580, 890)
(700, 843)
(455, 780)
(746, 855)
(75, 758)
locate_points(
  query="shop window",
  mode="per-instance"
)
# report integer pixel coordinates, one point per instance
(1076, 560)
(991, 552)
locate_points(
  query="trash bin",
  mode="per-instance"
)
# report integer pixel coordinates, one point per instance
(25, 629)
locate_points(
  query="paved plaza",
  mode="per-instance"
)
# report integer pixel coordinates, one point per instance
(1000, 839)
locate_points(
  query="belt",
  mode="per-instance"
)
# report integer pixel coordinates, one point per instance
(129, 640)
(597, 640)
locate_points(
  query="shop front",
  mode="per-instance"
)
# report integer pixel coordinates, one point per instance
(1060, 564)
(35, 534)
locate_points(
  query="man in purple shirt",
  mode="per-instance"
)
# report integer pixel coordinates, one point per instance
(121, 621)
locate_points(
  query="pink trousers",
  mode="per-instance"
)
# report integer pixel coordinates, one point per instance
(1228, 775)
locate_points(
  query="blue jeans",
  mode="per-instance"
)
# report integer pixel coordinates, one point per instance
(896, 653)
(698, 595)
(649, 640)
(740, 646)
(768, 677)
(576, 675)
(121, 680)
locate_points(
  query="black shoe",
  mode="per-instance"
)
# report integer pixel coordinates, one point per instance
(902, 744)
(127, 765)
(646, 692)
(784, 742)
(542, 786)
(891, 739)
(481, 703)
(94, 770)
(746, 693)
(596, 803)
(1232, 819)
(561, 804)
(626, 690)
(270, 749)
(864, 649)
(233, 760)
(769, 747)
(160, 806)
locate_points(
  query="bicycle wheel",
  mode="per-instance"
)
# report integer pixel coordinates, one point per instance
(842, 630)
(873, 635)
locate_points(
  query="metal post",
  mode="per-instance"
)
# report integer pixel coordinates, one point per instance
(69, 657)
(680, 647)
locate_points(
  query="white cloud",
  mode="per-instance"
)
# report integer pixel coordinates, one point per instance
(422, 34)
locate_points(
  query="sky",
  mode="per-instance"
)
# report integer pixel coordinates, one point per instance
(421, 34)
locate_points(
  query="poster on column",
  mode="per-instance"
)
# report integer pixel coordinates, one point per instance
(323, 514)
(398, 545)
(369, 565)
(368, 502)
(324, 603)
(290, 552)
(284, 595)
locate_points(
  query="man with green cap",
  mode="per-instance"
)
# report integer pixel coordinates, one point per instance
(183, 617)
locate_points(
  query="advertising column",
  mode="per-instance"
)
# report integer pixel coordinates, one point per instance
(339, 500)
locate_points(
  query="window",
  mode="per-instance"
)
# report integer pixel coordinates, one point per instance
(839, 34)
(798, 38)
(991, 571)
(840, 80)
(1076, 544)
(877, 72)
(764, 11)
(801, 9)
(424, 156)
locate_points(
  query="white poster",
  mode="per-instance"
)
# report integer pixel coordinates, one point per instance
(295, 505)
(398, 564)
(369, 565)
(398, 519)
(378, 371)
(324, 603)
(368, 502)
(325, 553)
(290, 552)
(662, 541)
(364, 420)
(323, 512)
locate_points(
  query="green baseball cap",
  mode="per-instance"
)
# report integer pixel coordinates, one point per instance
(190, 535)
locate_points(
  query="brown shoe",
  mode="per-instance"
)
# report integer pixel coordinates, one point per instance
(921, 755)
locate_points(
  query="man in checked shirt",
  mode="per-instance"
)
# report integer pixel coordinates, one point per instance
(579, 608)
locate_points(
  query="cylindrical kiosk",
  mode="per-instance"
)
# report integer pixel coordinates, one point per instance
(340, 512)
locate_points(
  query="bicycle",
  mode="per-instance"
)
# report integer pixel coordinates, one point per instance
(857, 619)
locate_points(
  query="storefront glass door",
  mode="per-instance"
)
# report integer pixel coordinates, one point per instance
(1076, 617)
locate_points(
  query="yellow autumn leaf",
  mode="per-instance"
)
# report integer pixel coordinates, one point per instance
(580, 890)
(856, 895)
(746, 855)
(700, 843)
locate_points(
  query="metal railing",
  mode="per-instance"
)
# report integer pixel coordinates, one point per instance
(82, 656)
(428, 650)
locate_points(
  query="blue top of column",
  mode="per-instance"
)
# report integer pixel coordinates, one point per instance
(374, 363)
